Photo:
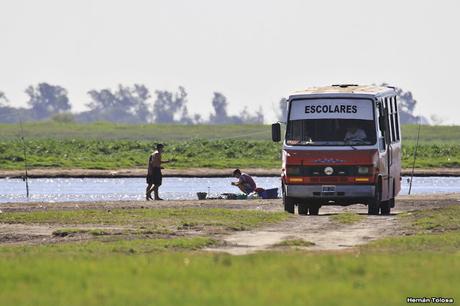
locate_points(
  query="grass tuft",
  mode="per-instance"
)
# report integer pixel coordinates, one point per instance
(294, 242)
(442, 219)
(151, 219)
(346, 218)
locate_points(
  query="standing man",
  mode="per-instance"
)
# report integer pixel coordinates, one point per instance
(245, 182)
(154, 175)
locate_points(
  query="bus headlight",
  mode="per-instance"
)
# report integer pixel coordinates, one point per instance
(328, 170)
(363, 170)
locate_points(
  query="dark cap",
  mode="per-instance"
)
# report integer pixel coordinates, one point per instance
(236, 171)
(160, 145)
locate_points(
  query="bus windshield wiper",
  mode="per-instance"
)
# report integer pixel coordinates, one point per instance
(349, 144)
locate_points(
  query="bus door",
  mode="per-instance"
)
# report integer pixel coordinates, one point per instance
(390, 152)
(385, 149)
(394, 147)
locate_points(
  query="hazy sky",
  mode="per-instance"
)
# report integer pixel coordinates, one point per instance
(254, 52)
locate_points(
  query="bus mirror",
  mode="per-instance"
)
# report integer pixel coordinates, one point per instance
(276, 132)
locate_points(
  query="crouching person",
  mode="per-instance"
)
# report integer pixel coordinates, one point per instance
(245, 182)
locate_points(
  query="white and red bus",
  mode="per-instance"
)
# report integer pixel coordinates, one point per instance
(342, 146)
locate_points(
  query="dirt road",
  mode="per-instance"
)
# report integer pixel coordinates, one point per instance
(323, 233)
(326, 234)
(322, 230)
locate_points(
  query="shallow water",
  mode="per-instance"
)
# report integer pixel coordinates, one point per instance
(117, 189)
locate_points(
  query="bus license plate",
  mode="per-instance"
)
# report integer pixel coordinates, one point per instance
(328, 188)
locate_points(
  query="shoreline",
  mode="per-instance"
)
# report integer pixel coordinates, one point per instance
(189, 172)
(404, 203)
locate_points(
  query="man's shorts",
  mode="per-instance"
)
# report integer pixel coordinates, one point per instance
(156, 177)
(247, 189)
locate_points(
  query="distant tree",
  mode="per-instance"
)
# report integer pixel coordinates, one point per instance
(126, 104)
(10, 114)
(407, 102)
(219, 103)
(407, 105)
(102, 100)
(135, 99)
(197, 119)
(46, 100)
(220, 116)
(247, 118)
(3, 99)
(282, 115)
(185, 118)
(171, 107)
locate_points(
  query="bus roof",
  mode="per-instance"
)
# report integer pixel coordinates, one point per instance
(347, 89)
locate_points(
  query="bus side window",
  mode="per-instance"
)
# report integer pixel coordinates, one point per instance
(398, 136)
(382, 142)
(392, 119)
(386, 122)
(387, 112)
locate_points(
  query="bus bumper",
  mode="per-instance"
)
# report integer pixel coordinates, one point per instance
(340, 191)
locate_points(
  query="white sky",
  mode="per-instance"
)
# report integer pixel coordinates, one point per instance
(254, 52)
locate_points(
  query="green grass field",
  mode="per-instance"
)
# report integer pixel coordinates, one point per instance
(112, 146)
(157, 219)
(113, 154)
(153, 270)
(55, 275)
(168, 132)
(149, 132)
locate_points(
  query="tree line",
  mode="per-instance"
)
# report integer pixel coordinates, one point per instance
(135, 104)
(125, 104)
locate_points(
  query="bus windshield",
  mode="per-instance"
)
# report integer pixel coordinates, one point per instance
(331, 132)
(332, 121)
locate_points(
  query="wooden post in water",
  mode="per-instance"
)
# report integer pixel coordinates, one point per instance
(26, 177)
(415, 156)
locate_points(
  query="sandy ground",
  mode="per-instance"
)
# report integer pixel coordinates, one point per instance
(191, 172)
(325, 233)
(320, 230)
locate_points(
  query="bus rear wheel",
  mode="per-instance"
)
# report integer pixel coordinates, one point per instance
(302, 208)
(385, 206)
(308, 208)
(313, 210)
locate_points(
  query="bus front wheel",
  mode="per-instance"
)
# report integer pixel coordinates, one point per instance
(308, 208)
(288, 202)
(373, 207)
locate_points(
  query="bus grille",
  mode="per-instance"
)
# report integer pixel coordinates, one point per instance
(328, 179)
